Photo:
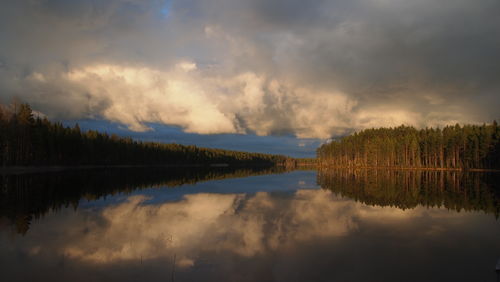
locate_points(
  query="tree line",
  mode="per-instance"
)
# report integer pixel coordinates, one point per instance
(456, 147)
(26, 140)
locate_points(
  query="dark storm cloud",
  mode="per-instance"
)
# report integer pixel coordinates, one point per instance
(311, 68)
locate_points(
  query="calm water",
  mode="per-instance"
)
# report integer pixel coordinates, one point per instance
(249, 225)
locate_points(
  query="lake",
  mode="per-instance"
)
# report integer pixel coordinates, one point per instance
(230, 224)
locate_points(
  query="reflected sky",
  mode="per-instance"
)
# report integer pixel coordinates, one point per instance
(284, 230)
(282, 183)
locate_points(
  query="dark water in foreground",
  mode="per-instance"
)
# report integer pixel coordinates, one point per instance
(249, 225)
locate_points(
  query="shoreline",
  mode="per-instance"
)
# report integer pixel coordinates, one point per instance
(410, 168)
(43, 169)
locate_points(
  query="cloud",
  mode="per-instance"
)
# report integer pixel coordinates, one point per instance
(312, 69)
(138, 95)
(196, 101)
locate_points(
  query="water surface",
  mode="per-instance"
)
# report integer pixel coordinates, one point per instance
(249, 225)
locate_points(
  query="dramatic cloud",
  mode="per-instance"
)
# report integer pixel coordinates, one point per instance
(313, 69)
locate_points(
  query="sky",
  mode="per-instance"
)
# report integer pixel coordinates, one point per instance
(252, 75)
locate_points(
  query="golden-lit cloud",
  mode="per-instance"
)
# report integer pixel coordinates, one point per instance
(139, 95)
(201, 102)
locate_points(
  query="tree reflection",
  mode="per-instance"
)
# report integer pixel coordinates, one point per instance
(454, 190)
(25, 197)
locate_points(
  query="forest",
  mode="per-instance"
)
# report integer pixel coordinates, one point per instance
(26, 140)
(452, 147)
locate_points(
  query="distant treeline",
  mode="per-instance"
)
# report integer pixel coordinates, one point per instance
(26, 140)
(407, 189)
(457, 147)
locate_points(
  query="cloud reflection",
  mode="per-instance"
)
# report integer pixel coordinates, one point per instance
(267, 236)
(244, 225)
